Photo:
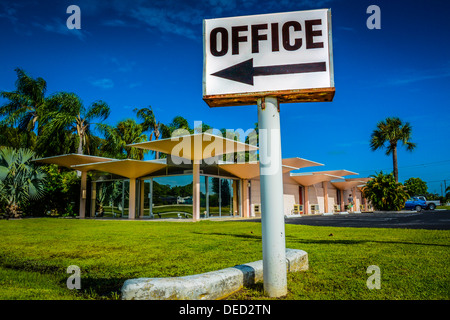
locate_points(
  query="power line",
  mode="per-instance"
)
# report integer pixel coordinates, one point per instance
(438, 180)
(413, 166)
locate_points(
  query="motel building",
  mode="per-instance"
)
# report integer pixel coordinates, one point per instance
(198, 184)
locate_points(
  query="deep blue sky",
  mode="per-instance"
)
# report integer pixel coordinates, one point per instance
(140, 53)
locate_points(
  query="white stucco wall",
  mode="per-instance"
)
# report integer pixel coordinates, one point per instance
(290, 196)
(316, 195)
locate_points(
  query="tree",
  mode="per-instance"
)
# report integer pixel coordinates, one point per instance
(415, 186)
(20, 180)
(26, 103)
(180, 123)
(14, 138)
(66, 113)
(203, 127)
(61, 193)
(149, 123)
(253, 139)
(157, 129)
(385, 193)
(178, 126)
(447, 193)
(387, 135)
(119, 137)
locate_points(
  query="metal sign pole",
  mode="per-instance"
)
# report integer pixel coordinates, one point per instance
(271, 179)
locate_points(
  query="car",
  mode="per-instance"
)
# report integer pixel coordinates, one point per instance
(414, 203)
(431, 204)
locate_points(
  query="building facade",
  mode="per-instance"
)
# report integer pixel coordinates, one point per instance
(199, 185)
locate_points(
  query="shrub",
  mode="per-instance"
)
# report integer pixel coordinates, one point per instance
(20, 180)
(384, 193)
(61, 193)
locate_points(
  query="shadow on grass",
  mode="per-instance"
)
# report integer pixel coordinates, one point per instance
(327, 241)
(244, 236)
(362, 241)
(99, 288)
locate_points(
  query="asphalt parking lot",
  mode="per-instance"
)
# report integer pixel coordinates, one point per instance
(430, 219)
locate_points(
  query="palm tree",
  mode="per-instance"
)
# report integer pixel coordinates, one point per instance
(20, 181)
(160, 130)
(180, 123)
(388, 133)
(148, 121)
(157, 129)
(178, 126)
(119, 137)
(150, 124)
(66, 113)
(25, 103)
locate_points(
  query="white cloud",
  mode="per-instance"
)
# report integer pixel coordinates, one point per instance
(59, 26)
(114, 23)
(182, 18)
(104, 83)
(417, 78)
(122, 66)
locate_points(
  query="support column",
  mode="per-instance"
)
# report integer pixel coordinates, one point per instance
(123, 200)
(235, 198)
(82, 211)
(325, 196)
(245, 199)
(150, 199)
(196, 191)
(141, 198)
(207, 196)
(306, 206)
(342, 201)
(93, 198)
(271, 179)
(132, 200)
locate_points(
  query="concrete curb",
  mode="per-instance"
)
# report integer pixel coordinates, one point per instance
(207, 286)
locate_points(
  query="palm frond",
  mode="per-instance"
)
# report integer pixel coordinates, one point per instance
(98, 110)
(20, 179)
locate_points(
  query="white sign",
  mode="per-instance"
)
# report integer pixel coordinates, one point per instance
(271, 52)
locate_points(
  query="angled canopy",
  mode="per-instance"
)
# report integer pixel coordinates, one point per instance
(248, 170)
(346, 185)
(127, 168)
(197, 146)
(358, 179)
(336, 172)
(251, 170)
(300, 163)
(69, 160)
(308, 179)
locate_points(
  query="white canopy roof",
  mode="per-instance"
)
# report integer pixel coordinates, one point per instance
(197, 146)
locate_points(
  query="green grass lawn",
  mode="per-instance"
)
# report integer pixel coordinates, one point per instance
(35, 253)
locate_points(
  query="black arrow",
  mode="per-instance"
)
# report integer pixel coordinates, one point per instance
(245, 71)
